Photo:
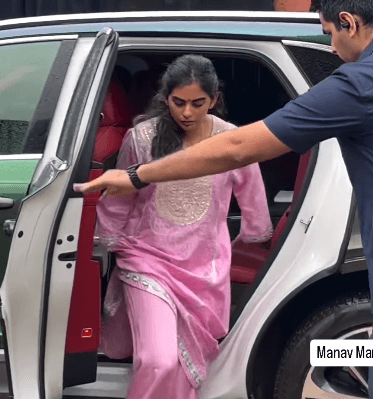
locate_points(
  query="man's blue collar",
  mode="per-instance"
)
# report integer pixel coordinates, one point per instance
(367, 52)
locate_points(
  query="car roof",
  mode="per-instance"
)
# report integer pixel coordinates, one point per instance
(290, 25)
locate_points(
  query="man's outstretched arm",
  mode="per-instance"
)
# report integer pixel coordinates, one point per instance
(226, 151)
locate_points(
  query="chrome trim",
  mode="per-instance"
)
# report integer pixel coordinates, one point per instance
(163, 14)
(105, 31)
(307, 224)
(20, 157)
(6, 203)
(38, 39)
(357, 259)
(315, 46)
(234, 217)
(167, 45)
(49, 173)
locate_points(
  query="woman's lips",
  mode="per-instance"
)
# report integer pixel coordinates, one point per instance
(186, 123)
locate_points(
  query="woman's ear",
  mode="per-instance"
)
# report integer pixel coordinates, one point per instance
(214, 101)
(165, 100)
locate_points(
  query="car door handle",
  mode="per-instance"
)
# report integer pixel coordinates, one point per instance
(8, 227)
(6, 203)
(307, 224)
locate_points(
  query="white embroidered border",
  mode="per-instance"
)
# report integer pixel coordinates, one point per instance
(145, 283)
(264, 238)
(189, 363)
(153, 287)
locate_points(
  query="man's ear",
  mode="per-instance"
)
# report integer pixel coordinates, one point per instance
(348, 21)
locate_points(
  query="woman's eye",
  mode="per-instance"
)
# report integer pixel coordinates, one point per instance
(198, 104)
(179, 103)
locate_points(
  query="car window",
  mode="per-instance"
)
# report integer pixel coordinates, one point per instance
(316, 64)
(24, 69)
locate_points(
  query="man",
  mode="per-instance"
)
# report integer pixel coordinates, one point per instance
(341, 106)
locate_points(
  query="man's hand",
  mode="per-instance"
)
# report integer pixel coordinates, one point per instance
(116, 183)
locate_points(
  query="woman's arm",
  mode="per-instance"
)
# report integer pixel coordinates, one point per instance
(249, 190)
(223, 152)
(113, 213)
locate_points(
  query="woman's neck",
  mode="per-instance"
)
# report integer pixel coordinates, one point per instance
(202, 132)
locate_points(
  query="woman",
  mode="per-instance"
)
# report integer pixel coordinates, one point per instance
(168, 300)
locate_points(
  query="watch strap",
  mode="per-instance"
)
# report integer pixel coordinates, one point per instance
(135, 180)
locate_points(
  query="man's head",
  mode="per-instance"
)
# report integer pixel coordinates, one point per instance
(349, 23)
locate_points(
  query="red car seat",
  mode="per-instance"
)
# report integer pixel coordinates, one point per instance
(247, 259)
(117, 117)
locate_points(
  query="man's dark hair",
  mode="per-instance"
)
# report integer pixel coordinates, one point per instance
(331, 9)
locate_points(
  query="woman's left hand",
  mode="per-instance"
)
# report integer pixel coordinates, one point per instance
(116, 183)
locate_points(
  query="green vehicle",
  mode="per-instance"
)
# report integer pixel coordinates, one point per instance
(70, 87)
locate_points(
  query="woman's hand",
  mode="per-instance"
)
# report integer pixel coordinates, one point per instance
(116, 183)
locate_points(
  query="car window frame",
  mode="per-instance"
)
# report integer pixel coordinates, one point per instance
(300, 44)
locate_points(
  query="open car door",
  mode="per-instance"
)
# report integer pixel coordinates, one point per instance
(49, 321)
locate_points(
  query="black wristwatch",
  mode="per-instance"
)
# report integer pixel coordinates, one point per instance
(135, 180)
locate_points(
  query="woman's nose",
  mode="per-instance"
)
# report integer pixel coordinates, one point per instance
(187, 113)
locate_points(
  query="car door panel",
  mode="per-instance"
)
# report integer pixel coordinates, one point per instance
(16, 176)
(85, 299)
(37, 286)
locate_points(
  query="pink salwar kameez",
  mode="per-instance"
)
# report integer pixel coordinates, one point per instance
(169, 297)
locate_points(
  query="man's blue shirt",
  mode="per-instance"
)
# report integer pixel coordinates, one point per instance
(341, 106)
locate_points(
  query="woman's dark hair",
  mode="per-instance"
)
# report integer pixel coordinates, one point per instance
(182, 71)
(331, 9)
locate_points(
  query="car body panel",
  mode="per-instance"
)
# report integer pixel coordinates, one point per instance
(301, 26)
(61, 283)
(16, 175)
(302, 257)
(179, 28)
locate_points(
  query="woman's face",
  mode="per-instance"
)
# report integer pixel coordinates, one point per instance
(189, 106)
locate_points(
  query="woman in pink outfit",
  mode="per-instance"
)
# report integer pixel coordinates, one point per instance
(168, 300)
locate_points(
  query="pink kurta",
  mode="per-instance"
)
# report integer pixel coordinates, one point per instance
(172, 240)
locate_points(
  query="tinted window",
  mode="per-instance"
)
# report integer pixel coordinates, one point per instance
(316, 64)
(24, 69)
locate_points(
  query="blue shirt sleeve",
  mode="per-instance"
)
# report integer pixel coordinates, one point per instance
(338, 107)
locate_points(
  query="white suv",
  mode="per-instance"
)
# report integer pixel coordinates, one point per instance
(310, 281)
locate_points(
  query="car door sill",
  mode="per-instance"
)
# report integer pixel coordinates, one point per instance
(112, 382)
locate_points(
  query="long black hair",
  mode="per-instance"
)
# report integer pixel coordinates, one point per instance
(183, 71)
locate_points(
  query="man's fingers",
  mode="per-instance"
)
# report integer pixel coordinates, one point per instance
(95, 185)
(115, 181)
